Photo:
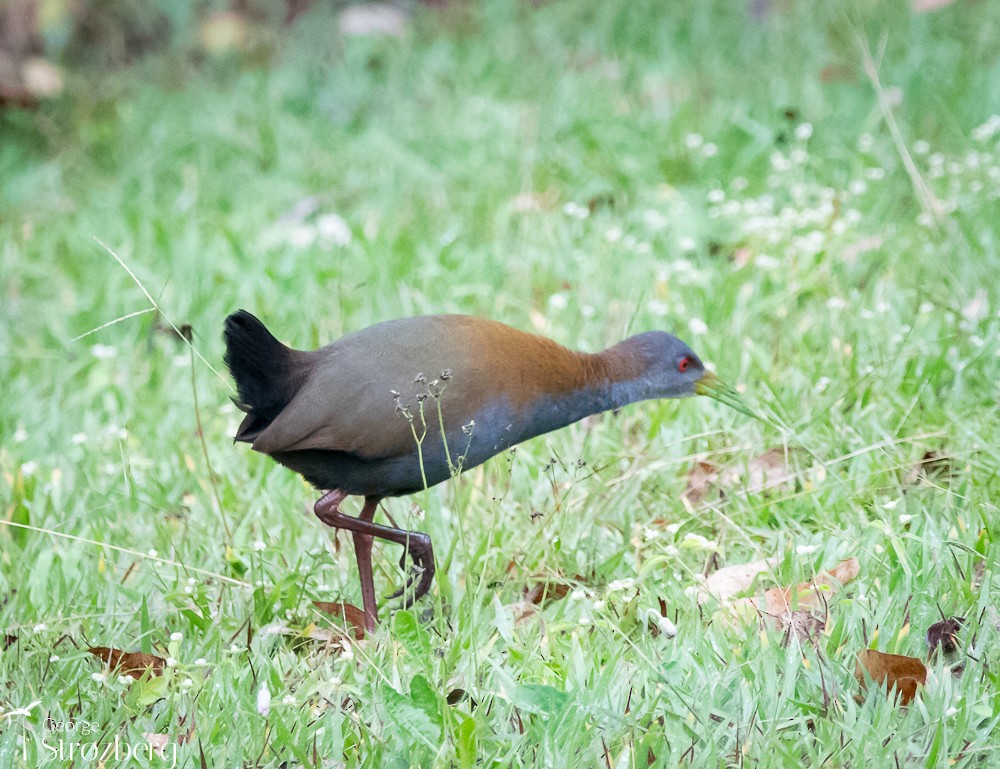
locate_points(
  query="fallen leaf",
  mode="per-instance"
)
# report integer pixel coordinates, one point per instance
(701, 477)
(898, 673)
(133, 664)
(8, 641)
(932, 466)
(802, 626)
(547, 591)
(729, 581)
(157, 742)
(943, 635)
(347, 612)
(765, 471)
(808, 595)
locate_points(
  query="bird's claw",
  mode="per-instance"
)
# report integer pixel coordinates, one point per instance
(423, 569)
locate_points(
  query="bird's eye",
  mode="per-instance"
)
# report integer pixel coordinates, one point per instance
(684, 365)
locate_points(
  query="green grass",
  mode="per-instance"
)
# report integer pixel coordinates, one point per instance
(802, 267)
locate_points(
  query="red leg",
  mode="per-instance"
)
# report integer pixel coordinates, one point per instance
(417, 545)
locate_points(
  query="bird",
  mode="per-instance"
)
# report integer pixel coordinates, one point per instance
(406, 404)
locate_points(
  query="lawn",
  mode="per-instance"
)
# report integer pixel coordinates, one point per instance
(807, 193)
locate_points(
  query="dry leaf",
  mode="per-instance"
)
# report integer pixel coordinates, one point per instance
(701, 477)
(943, 635)
(157, 742)
(767, 470)
(546, 591)
(898, 673)
(347, 612)
(932, 466)
(8, 641)
(808, 595)
(733, 580)
(133, 664)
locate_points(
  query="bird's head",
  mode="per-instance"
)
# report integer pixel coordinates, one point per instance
(674, 370)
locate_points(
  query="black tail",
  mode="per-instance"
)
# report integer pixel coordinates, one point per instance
(267, 373)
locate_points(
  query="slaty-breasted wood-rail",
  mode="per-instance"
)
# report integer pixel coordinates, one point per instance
(405, 404)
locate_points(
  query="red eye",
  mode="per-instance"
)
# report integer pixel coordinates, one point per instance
(684, 365)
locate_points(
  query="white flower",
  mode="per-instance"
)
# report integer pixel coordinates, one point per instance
(176, 636)
(187, 683)
(41, 627)
(29, 468)
(125, 680)
(348, 651)
(857, 187)
(20, 435)
(693, 141)
(263, 699)
(686, 244)
(710, 150)
(803, 131)
(585, 620)
(865, 142)
(171, 662)
(259, 545)
(201, 661)
(578, 595)
(739, 183)
(663, 624)
(904, 518)
(54, 658)
(950, 712)
(79, 438)
(806, 549)
(620, 584)
(333, 229)
(875, 173)
(99, 678)
(559, 301)
(697, 326)
(288, 699)
(697, 541)
(613, 234)
(715, 196)
(921, 147)
(575, 210)
(103, 351)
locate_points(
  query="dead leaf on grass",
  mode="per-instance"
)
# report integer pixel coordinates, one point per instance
(729, 581)
(133, 664)
(899, 674)
(932, 466)
(768, 470)
(943, 636)
(347, 612)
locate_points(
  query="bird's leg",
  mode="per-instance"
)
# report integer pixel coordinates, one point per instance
(327, 509)
(417, 544)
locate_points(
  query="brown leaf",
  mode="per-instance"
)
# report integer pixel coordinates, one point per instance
(547, 591)
(767, 470)
(133, 664)
(809, 595)
(8, 641)
(347, 612)
(898, 673)
(733, 580)
(802, 626)
(701, 477)
(932, 467)
(943, 635)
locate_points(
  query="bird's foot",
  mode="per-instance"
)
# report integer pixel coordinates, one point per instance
(419, 550)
